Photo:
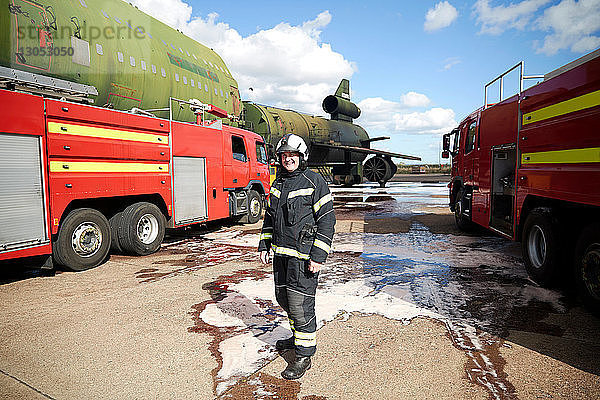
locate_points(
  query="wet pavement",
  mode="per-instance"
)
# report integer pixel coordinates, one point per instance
(397, 257)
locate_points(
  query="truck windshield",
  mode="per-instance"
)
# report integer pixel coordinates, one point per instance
(455, 145)
(471, 137)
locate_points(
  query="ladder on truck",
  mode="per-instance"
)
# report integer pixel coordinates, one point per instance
(521, 66)
(46, 86)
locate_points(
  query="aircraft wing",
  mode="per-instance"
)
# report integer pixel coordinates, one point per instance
(365, 151)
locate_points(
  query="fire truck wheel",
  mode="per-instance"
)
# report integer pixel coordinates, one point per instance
(587, 266)
(141, 229)
(540, 244)
(462, 221)
(255, 207)
(114, 221)
(83, 240)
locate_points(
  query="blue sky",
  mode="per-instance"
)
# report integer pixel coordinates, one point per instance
(416, 67)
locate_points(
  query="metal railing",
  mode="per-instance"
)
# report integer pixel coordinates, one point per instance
(521, 66)
(46, 86)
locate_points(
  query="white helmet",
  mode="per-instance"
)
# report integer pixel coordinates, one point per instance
(293, 143)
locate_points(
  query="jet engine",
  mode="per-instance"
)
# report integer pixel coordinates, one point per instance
(340, 108)
(379, 169)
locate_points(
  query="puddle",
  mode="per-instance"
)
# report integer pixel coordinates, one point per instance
(377, 198)
(400, 288)
(485, 366)
(243, 331)
(265, 386)
(199, 253)
(476, 286)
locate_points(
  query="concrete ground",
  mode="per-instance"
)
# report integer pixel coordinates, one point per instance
(410, 308)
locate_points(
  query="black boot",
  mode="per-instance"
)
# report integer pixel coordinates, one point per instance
(285, 344)
(297, 368)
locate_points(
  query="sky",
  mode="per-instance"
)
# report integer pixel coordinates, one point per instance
(416, 67)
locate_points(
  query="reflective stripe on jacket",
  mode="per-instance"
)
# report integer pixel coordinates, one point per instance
(299, 219)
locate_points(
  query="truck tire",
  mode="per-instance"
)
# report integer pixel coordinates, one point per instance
(539, 244)
(463, 222)
(114, 221)
(141, 229)
(255, 207)
(587, 266)
(83, 240)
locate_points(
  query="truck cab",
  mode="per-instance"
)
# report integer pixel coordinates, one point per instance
(245, 172)
(466, 154)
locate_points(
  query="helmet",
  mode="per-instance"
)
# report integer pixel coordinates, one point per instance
(293, 143)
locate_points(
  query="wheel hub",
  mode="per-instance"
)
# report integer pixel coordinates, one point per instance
(255, 207)
(591, 272)
(536, 246)
(86, 239)
(147, 228)
(458, 207)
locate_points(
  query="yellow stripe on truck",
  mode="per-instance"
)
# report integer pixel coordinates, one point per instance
(571, 156)
(104, 133)
(568, 106)
(62, 166)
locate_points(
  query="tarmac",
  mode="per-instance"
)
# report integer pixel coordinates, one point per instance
(408, 308)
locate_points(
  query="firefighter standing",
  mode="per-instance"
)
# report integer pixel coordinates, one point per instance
(298, 228)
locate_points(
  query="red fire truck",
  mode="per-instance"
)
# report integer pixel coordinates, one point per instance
(528, 168)
(77, 180)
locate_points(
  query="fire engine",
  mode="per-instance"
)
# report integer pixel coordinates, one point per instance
(528, 168)
(79, 180)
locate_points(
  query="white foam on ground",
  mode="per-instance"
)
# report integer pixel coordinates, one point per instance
(398, 276)
(234, 237)
(242, 355)
(212, 315)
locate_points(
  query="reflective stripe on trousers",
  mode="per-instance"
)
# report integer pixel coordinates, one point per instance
(295, 288)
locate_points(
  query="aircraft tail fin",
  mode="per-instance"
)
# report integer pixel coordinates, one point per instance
(343, 89)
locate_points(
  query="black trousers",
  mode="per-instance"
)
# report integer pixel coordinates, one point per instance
(295, 288)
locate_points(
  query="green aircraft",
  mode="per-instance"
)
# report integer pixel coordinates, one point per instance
(337, 146)
(132, 59)
(110, 54)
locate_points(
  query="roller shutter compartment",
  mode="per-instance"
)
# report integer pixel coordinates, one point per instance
(22, 215)
(190, 189)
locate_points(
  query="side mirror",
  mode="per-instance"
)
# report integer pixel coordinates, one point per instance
(445, 154)
(446, 143)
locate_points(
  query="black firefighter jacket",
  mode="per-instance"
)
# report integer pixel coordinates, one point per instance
(299, 219)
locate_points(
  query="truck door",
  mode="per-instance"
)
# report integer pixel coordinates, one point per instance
(240, 163)
(261, 170)
(471, 158)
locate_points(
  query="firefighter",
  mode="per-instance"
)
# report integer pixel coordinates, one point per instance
(298, 230)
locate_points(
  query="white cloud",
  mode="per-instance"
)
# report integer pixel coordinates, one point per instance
(451, 62)
(572, 24)
(495, 20)
(441, 16)
(414, 99)
(388, 116)
(175, 13)
(435, 120)
(286, 66)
